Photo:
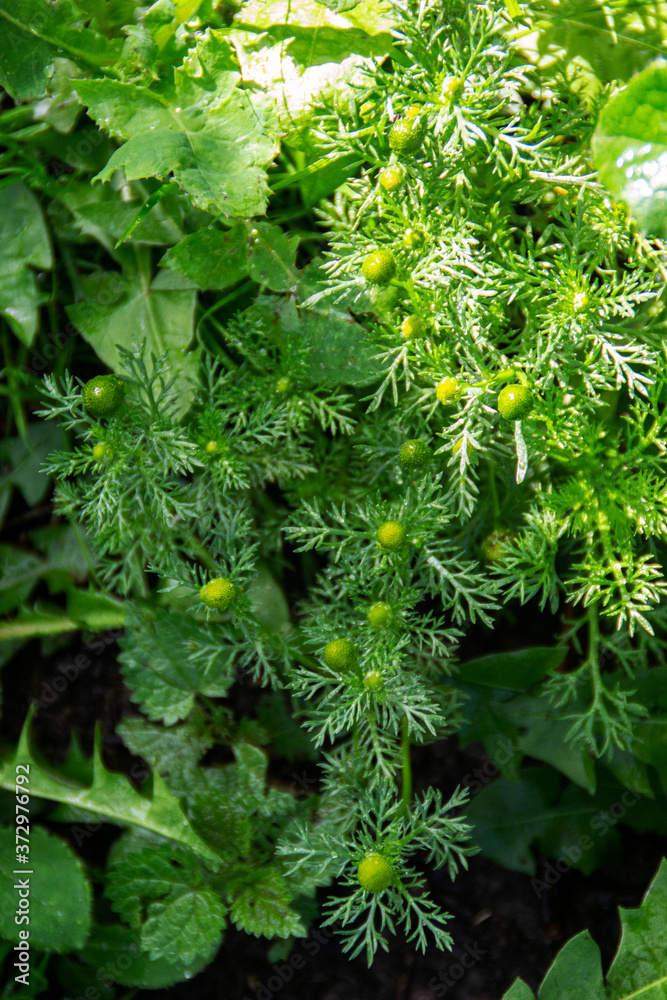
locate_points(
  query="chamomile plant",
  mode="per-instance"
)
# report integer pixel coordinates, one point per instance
(382, 891)
(519, 335)
(458, 405)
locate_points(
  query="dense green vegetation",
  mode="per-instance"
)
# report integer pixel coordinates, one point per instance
(333, 347)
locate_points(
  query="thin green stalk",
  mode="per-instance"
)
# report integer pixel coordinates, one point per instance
(375, 742)
(593, 659)
(30, 629)
(406, 794)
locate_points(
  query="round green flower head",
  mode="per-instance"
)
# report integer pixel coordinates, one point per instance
(414, 454)
(103, 395)
(491, 546)
(515, 402)
(340, 654)
(379, 267)
(373, 680)
(283, 384)
(407, 134)
(448, 390)
(414, 239)
(102, 452)
(211, 448)
(218, 593)
(391, 535)
(375, 873)
(413, 326)
(392, 177)
(379, 615)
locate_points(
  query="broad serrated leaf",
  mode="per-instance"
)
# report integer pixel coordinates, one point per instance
(114, 950)
(251, 766)
(215, 259)
(159, 666)
(110, 795)
(33, 33)
(203, 129)
(222, 821)
(223, 800)
(24, 244)
(262, 907)
(174, 752)
(184, 927)
(60, 107)
(149, 874)
(340, 352)
(212, 258)
(160, 891)
(59, 892)
(630, 149)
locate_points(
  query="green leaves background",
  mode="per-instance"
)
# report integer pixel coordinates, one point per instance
(639, 967)
(26, 246)
(630, 148)
(205, 109)
(192, 111)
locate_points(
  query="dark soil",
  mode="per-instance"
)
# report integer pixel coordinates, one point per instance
(501, 929)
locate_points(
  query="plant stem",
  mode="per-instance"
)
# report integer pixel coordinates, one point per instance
(406, 795)
(593, 659)
(56, 625)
